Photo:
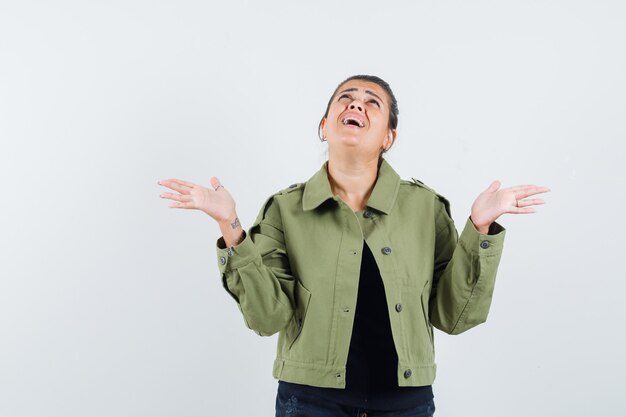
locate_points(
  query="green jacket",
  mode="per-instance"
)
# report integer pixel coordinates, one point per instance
(297, 272)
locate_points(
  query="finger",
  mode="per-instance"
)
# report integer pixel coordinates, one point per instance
(215, 182)
(176, 197)
(185, 183)
(532, 202)
(531, 191)
(177, 181)
(182, 187)
(177, 204)
(520, 187)
(494, 186)
(522, 210)
(528, 187)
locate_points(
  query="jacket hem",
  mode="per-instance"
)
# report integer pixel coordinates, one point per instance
(335, 376)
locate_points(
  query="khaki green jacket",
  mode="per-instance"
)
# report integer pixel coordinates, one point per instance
(297, 272)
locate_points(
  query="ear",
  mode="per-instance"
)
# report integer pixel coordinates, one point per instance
(323, 126)
(390, 139)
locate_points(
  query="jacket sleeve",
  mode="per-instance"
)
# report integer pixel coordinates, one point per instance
(256, 273)
(464, 272)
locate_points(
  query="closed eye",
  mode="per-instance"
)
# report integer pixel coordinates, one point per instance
(375, 102)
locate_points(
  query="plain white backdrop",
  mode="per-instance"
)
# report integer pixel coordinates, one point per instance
(111, 303)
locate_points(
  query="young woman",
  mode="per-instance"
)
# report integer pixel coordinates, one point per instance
(355, 266)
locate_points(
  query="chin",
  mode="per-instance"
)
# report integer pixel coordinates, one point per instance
(350, 140)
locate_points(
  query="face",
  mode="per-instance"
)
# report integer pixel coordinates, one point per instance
(358, 120)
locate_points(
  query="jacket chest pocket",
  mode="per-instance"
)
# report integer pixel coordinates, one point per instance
(303, 298)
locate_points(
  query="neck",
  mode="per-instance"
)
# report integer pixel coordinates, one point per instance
(352, 180)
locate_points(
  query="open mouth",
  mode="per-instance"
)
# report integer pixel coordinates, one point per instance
(353, 121)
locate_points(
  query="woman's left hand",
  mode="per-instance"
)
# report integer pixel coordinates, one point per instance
(493, 202)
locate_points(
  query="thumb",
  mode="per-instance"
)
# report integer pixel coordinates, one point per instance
(215, 182)
(494, 186)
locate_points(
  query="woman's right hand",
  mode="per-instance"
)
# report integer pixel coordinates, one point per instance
(216, 201)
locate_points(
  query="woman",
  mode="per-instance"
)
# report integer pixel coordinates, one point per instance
(355, 266)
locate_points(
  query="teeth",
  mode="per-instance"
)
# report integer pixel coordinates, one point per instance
(345, 121)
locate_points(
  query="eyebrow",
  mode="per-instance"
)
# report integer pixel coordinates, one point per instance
(356, 89)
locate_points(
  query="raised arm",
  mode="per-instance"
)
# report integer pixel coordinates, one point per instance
(216, 202)
(465, 267)
(254, 266)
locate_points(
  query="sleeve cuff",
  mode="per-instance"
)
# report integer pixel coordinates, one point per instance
(235, 256)
(481, 243)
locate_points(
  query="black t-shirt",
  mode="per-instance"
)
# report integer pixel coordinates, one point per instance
(371, 370)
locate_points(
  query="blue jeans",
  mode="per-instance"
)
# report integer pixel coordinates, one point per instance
(288, 405)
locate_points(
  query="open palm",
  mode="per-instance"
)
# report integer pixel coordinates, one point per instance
(495, 201)
(216, 202)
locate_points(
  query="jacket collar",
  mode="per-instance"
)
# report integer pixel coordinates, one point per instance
(317, 189)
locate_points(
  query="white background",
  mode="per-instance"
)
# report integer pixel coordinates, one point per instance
(111, 303)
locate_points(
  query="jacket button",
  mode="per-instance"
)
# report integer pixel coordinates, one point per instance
(484, 244)
(408, 373)
(222, 260)
(386, 250)
(398, 307)
(368, 213)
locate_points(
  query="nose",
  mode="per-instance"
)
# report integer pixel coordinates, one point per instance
(356, 106)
